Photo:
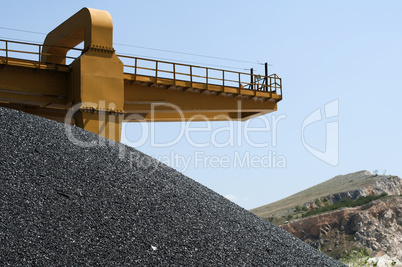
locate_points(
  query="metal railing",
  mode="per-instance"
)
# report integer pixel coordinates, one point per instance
(199, 74)
(29, 53)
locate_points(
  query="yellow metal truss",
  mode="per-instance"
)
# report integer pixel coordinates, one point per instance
(102, 92)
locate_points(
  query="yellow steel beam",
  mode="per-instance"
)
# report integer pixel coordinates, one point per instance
(160, 104)
(34, 87)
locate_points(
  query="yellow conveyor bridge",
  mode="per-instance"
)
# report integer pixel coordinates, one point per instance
(102, 89)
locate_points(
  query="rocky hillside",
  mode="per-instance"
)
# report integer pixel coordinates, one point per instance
(354, 214)
(351, 185)
(375, 227)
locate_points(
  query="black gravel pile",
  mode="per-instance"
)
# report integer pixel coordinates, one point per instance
(62, 204)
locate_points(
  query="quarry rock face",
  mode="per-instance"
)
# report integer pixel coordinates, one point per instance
(102, 203)
(376, 226)
(391, 185)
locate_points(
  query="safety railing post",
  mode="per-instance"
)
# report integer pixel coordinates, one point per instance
(6, 52)
(39, 55)
(135, 68)
(174, 74)
(251, 79)
(206, 78)
(266, 76)
(239, 81)
(223, 79)
(156, 71)
(191, 76)
(270, 85)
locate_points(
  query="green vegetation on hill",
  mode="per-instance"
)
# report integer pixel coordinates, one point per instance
(299, 213)
(346, 202)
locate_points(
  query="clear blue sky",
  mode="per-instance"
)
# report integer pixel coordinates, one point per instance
(349, 51)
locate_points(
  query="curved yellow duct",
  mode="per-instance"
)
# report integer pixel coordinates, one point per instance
(92, 26)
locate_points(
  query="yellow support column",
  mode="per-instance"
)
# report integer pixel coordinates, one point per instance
(98, 86)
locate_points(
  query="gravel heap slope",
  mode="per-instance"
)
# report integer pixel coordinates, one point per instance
(109, 204)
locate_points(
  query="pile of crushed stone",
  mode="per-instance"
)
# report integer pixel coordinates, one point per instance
(63, 204)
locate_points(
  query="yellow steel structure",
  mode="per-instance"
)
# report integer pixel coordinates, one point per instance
(102, 92)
